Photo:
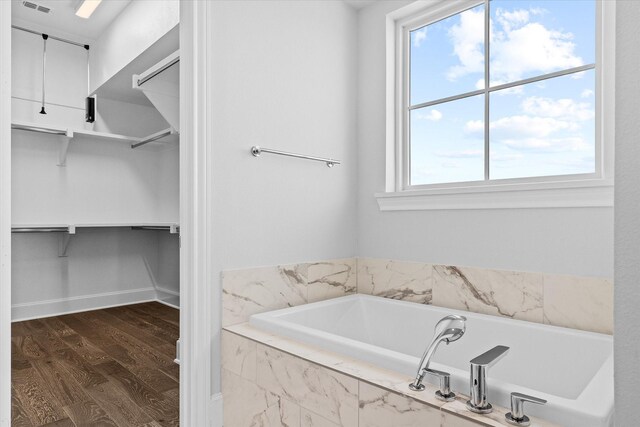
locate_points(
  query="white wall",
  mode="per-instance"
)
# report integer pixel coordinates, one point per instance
(570, 241)
(284, 78)
(168, 268)
(98, 261)
(137, 27)
(116, 117)
(627, 233)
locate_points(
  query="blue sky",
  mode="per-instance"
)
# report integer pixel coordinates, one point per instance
(544, 128)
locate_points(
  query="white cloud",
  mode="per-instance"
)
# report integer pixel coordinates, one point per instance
(419, 36)
(507, 158)
(522, 125)
(586, 93)
(519, 47)
(532, 48)
(565, 108)
(583, 163)
(433, 115)
(451, 165)
(461, 154)
(574, 143)
(544, 124)
(474, 126)
(468, 44)
(510, 19)
(529, 126)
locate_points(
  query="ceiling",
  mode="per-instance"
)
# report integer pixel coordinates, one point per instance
(63, 22)
(359, 4)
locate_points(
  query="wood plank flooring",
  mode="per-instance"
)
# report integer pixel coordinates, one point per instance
(111, 367)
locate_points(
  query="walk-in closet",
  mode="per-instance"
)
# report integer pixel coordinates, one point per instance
(95, 213)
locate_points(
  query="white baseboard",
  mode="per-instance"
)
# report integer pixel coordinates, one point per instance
(168, 303)
(215, 410)
(57, 307)
(168, 297)
(167, 291)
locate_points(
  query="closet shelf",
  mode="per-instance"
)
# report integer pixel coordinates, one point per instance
(68, 134)
(173, 228)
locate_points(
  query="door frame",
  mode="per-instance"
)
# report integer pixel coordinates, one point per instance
(197, 405)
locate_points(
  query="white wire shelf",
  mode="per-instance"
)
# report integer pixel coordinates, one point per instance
(69, 134)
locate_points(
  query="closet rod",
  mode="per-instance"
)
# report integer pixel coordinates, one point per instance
(60, 39)
(154, 137)
(150, 227)
(39, 129)
(144, 79)
(41, 230)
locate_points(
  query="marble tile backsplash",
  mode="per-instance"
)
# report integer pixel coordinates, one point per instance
(579, 303)
(331, 279)
(407, 281)
(500, 293)
(571, 301)
(256, 290)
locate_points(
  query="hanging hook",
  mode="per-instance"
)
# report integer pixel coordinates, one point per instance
(44, 69)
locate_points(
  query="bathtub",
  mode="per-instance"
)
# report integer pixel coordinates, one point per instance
(572, 370)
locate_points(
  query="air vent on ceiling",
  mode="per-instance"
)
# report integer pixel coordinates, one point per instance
(35, 6)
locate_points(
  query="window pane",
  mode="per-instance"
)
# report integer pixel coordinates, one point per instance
(447, 57)
(445, 143)
(543, 128)
(532, 38)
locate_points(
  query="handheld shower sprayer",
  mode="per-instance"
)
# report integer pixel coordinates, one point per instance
(449, 329)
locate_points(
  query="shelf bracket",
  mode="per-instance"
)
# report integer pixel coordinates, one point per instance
(65, 239)
(174, 229)
(63, 244)
(64, 147)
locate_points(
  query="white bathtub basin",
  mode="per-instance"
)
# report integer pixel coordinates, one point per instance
(573, 370)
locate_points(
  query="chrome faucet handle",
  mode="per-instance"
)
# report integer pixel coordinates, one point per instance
(478, 379)
(517, 416)
(445, 393)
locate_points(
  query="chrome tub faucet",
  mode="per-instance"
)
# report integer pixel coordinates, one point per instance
(449, 329)
(478, 379)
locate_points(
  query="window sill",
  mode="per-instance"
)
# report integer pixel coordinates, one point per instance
(586, 193)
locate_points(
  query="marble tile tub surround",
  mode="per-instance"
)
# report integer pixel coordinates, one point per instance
(571, 301)
(256, 290)
(282, 382)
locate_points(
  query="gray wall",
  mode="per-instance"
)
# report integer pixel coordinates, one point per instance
(627, 221)
(284, 78)
(575, 241)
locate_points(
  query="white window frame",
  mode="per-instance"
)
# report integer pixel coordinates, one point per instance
(578, 190)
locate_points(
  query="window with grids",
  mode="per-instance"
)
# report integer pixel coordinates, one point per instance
(503, 90)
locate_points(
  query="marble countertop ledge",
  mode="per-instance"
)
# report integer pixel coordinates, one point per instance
(366, 372)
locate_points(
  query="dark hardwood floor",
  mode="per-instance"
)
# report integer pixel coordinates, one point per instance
(111, 367)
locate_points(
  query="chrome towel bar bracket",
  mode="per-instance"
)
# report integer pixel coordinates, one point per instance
(256, 151)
